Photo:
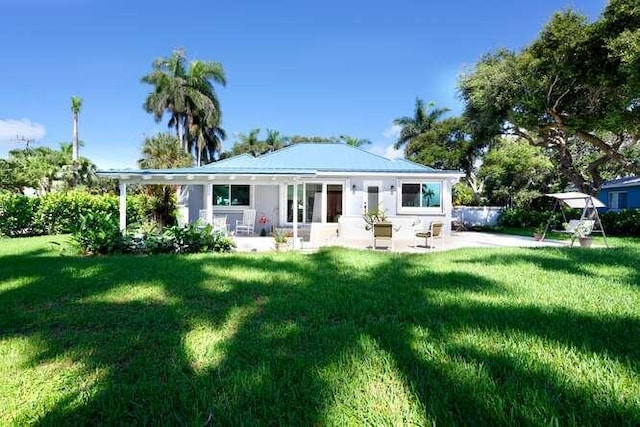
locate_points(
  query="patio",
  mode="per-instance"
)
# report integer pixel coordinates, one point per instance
(456, 240)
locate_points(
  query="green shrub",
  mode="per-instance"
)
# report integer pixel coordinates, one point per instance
(147, 239)
(61, 212)
(98, 233)
(17, 214)
(519, 217)
(622, 223)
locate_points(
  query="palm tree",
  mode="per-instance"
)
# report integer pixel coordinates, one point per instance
(274, 141)
(355, 142)
(206, 141)
(186, 92)
(163, 151)
(76, 106)
(249, 143)
(422, 121)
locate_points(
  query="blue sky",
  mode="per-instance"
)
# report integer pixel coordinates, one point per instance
(308, 68)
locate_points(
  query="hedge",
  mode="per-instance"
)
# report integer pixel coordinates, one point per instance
(621, 223)
(58, 213)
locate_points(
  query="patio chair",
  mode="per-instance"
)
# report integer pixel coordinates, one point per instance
(247, 223)
(436, 229)
(384, 231)
(220, 224)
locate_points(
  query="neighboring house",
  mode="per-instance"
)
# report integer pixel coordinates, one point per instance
(334, 184)
(623, 193)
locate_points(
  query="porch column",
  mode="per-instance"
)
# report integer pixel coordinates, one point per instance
(208, 203)
(295, 214)
(123, 205)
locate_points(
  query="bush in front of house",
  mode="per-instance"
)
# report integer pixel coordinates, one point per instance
(60, 212)
(99, 235)
(17, 214)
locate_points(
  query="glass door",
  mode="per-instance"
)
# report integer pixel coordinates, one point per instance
(334, 202)
(373, 199)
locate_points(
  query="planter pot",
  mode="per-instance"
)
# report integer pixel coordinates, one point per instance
(282, 247)
(585, 242)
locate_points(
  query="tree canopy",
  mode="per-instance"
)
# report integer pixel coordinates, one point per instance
(45, 169)
(574, 92)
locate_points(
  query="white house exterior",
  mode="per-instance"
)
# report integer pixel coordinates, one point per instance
(334, 185)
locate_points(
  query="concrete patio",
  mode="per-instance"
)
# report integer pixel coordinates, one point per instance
(456, 240)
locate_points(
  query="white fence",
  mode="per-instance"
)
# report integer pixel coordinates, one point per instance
(477, 216)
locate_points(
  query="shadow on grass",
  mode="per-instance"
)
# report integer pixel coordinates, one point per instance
(240, 339)
(575, 261)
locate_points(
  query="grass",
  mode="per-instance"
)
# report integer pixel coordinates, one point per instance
(339, 337)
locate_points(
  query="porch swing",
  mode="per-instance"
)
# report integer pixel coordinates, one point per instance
(590, 216)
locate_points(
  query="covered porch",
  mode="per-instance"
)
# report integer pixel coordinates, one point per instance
(286, 201)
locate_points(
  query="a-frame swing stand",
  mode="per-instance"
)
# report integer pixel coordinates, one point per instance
(589, 206)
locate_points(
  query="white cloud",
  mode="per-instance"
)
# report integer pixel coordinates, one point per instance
(392, 132)
(387, 151)
(392, 153)
(11, 130)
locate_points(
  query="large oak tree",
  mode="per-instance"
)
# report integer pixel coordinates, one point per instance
(574, 91)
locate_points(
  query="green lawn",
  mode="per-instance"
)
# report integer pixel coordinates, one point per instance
(340, 337)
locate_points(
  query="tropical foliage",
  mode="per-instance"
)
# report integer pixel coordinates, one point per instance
(44, 170)
(99, 234)
(186, 92)
(423, 120)
(354, 141)
(573, 92)
(163, 151)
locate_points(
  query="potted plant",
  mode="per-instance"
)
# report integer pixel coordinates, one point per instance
(281, 239)
(374, 217)
(582, 232)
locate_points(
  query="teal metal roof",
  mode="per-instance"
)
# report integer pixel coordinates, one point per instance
(301, 159)
(311, 158)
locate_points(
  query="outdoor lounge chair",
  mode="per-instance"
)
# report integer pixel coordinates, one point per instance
(436, 229)
(247, 223)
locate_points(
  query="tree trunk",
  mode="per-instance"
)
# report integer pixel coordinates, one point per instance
(74, 150)
(74, 140)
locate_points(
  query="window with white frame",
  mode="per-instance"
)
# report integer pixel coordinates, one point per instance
(231, 195)
(617, 200)
(421, 195)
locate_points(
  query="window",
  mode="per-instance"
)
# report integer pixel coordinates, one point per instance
(617, 200)
(421, 195)
(231, 195)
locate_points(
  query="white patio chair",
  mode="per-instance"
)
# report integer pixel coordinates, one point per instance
(220, 224)
(247, 223)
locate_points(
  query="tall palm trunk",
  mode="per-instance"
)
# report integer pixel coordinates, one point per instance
(74, 140)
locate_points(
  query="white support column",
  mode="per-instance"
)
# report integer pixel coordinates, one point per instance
(123, 205)
(324, 203)
(208, 202)
(295, 214)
